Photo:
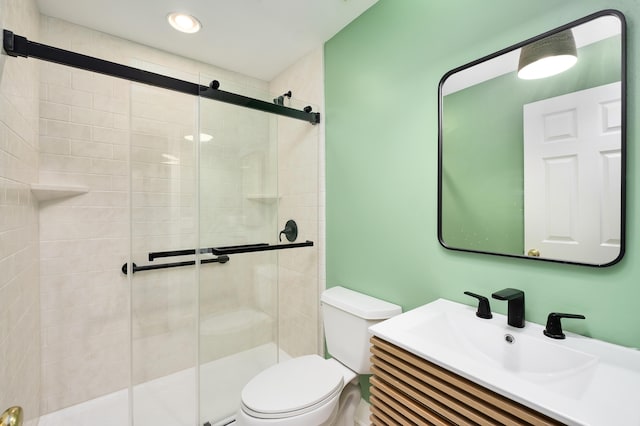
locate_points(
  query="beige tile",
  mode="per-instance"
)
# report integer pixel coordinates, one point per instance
(85, 341)
(19, 285)
(55, 111)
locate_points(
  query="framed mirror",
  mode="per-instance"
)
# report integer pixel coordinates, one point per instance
(531, 166)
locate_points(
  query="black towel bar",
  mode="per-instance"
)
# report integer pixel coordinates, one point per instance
(172, 253)
(251, 248)
(244, 248)
(136, 268)
(221, 252)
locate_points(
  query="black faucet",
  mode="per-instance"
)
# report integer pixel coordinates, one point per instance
(515, 307)
(484, 309)
(554, 326)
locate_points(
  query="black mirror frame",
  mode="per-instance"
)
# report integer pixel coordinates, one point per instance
(623, 141)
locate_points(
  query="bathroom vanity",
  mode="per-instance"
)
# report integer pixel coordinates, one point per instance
(405, 386)
(441, 364)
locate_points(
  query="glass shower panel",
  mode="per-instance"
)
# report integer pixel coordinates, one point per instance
(238, 206)
(164, 218)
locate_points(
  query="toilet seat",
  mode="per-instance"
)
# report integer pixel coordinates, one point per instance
(292, 388)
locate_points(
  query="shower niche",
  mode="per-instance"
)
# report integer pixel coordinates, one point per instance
(258, 182)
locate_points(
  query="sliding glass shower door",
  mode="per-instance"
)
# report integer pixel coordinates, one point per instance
(196, 177)
(238, 206)
(203, 175)
(164, 185)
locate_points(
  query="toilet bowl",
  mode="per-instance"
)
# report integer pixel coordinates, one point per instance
(311, 390)
(307, 393)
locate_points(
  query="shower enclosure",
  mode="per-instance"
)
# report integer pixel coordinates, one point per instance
(163, 286)
(192, 190)
(216, 187)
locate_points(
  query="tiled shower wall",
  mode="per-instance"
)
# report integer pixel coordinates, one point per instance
(88, 123)
(83, 141)
(86, 126)
(163, 172)
(301, 188)
(19, 282)
(91, 127)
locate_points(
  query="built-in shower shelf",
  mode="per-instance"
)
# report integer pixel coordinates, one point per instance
(44, 192)
(267, 198)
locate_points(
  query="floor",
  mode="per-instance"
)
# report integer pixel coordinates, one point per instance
(170, 400)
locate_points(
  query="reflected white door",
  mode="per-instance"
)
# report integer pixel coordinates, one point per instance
(572, 184)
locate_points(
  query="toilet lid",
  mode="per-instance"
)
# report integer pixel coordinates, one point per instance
(291, 388)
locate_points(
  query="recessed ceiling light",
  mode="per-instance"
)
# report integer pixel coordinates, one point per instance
(184, 22)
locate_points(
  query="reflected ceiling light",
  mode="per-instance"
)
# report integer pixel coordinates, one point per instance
(203, 137)
(184, 22)
(548, 56)
(171, 159)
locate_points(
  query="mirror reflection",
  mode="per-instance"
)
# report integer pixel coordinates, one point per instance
(531, 162)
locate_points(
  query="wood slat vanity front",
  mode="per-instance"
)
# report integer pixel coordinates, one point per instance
(409, 390)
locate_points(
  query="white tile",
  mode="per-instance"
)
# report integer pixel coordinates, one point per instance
(67, 130)
(109, 135)
(89, 149)
(19, 318)
(52, 145)
(109, 104)
(63, 95)
(55, 111)
(51, 73)
(92, 117)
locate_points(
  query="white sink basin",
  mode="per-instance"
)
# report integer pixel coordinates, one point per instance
(578, 380)
(528, 355)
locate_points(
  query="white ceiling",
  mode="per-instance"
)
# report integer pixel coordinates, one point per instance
(258, 38)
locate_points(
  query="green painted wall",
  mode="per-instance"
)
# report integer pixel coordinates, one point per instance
(482, 186)
(381, 76)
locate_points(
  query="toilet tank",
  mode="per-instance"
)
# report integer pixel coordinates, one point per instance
(347, 316)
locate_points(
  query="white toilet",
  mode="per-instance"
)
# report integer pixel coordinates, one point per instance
(313, 391)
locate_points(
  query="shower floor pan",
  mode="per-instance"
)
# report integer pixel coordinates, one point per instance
(171, 399)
